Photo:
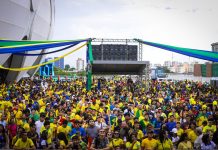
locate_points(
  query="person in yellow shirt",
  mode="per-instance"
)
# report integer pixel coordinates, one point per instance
(63, 142)
(164, 143)
(18, 114)
(24, 143)
(26, 124)
(191, 132)
(53, 126)
(140, 134)
(2, 102)
(46, 127)
(184, 143)
(133, 144)
(201, 117)
(64, 128)
(116, 141)
(94, 105)
(208, 127)
(149, 143)
(179, 129)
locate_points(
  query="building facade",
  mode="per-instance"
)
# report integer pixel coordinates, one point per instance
(167, 63)
(59, 63)
(80, 64)
(215, 47)
(24, 20)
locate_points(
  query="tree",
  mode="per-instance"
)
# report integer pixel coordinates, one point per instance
(67, 67)
(72, 69)
(166, 69)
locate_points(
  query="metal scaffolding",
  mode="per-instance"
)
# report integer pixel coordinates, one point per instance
(124, 41)
(102, 41)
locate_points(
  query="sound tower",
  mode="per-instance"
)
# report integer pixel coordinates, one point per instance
(118, 52)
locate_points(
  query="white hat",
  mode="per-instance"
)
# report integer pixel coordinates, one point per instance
(115, 109)
(174, 130)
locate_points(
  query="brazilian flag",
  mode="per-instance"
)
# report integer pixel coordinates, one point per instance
(138, 113)
(113, 120)
(142, 123)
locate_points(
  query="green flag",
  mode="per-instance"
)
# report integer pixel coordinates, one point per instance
(112, 120)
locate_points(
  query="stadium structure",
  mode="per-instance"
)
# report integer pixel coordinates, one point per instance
(118, 57)
(24, 20)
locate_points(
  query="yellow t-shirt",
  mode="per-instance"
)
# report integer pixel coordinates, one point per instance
(41, 102)
(192, 101)
(19, 122)
(176, 115)
(83, 108)
(214, 128)
(62, 143)
(54, 128)
(149, 144)
(116, 142)
(208, 128)
(42, 106)
(98, 101)
(191, 135)
(64, 130)
(101, 110)
(24, 145)
(2, 105)
(96, 106)
(215, 103)
(204, 106)
(50, 134)
(140, 135)
(8, 103)
(161, 100)
(183, 145)
(201, 120)
(136, 146)
(149, 101)
(18, 114)
(26, 126)
(77, 117)
(14, 139)
(179, 132)
(26, 96)
(166, 145)
(94, 117)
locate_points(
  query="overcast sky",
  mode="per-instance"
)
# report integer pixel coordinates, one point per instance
(184, 23)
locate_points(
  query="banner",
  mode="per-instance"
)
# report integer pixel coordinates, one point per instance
(24, 54)
(89, 60)
(36, 46)
(45, 63)
(201, 54)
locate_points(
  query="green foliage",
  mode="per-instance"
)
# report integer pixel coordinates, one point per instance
(72, 69)
(58, 71)
(67, 67)
(165, 69)
(81, 73)
(61, 72)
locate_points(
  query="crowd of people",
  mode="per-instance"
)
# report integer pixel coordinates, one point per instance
(116, 114)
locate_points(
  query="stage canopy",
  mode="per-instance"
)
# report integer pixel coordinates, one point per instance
(119, 67)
